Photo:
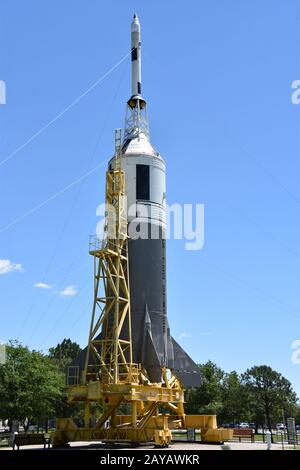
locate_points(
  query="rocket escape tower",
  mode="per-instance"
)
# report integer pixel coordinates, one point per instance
(131, 361)
(136, 121)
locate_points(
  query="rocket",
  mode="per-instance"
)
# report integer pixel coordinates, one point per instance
(153, 347)
(145, 186)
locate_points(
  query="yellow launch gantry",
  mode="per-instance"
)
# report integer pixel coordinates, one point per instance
(110, 377)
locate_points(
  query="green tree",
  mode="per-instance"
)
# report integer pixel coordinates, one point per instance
(64, 353)
(235, 400)
(207, 398)
(270, 393)
(30, 385)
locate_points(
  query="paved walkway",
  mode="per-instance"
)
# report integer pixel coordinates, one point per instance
(174, 446)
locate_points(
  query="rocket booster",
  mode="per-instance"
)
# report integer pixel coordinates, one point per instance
(145, 176)
(145, 187)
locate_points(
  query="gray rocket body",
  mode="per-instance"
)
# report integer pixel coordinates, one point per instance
(145, 190)
(145, 186)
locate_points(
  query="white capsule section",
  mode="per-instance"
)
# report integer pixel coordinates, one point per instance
(145, 183)
(152, 203)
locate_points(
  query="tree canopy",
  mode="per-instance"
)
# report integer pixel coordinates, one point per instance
(270, 394)
(30, 385)
(207, 398)
(260, 395)
(63, 353)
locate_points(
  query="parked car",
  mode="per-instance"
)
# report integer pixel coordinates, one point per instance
(244, 425)
(32, 427)
(280, 427)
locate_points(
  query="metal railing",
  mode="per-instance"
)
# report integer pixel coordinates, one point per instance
(73, 376)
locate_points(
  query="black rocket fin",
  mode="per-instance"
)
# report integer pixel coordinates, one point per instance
(147, 317)
(149, 356)
(184, 367)
(149, 353)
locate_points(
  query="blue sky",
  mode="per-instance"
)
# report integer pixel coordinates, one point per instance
(217, 77)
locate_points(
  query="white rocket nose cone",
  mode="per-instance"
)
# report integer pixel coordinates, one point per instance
(135, 25)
